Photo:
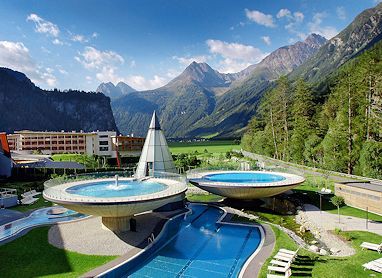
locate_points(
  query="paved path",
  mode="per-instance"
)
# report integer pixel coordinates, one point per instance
(329, 221)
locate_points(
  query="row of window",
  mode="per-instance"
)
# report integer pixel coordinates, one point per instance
(364, 195)
(26, 143)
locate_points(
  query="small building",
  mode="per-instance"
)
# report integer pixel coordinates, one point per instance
(362, 195)
(5, 157)
(127, 146)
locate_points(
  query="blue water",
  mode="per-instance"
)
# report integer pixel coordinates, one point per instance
(244, 177)
(202, 248)
(36, 218)
(123, 189)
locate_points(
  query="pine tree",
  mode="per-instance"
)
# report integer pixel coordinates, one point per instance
(302, 112)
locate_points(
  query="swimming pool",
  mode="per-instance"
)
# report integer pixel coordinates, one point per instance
(244, 177)
(196, 246)
(124, 188)
(37, 218)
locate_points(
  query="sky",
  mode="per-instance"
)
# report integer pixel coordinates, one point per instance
(73, 44)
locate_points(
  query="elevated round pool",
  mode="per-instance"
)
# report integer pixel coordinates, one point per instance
(245, 185)
(116, 200)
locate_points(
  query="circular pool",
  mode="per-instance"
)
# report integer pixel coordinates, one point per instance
(116, 200)
(124, 188)
(243, 177)
(245, 185)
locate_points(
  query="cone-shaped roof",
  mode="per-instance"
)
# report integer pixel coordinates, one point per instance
(154, 124)
(156, 156)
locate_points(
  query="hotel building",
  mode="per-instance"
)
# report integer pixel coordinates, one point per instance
(101, 143)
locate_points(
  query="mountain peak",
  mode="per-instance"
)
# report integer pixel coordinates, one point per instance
(114, 91)
(315, 40)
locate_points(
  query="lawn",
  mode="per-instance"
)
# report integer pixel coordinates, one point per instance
(203, 198)
(311, 265)
(200, 147)
(32, 256)
(307, 193)
(88, 161)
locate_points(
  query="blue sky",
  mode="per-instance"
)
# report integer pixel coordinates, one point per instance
(78, 44)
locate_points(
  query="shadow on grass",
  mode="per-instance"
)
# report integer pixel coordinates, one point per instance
(32, 256)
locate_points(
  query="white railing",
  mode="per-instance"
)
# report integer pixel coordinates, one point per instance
(176, 184)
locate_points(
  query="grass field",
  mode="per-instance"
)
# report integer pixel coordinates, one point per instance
(32, 256)
(309, 264)
(200, 147)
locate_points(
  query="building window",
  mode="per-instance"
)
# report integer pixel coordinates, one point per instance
(104, 143)
(103, 136)
(103, 149)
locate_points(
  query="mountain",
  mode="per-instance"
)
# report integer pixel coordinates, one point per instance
(25, 106)
(114, 92)
(235, 108)
(182, 102)
(361, 34)
(203, 101)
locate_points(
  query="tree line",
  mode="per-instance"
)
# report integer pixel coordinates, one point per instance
(339, 129)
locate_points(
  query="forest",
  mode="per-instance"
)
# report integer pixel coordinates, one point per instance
(338, 128)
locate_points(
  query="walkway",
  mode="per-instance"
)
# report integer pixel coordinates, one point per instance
(329, 221)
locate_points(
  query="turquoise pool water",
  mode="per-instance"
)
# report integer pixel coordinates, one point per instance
(244, 177)
(196, 246)
(108, 189)
(37, 218)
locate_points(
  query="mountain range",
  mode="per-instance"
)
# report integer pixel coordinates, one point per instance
(114, 91)
(193, 103)
(203, 102)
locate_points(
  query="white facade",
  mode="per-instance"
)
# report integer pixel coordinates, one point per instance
(156, 156)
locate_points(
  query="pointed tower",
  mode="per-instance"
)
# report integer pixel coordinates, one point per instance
(155, 153)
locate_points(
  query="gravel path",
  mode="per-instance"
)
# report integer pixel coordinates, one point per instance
(329, 221)
(335, 245)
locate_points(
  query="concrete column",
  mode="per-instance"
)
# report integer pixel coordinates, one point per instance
(116, 224)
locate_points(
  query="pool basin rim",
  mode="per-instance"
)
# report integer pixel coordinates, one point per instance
(289, 179)
(173, 188)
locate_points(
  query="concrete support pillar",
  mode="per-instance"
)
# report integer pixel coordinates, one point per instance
(116, 224)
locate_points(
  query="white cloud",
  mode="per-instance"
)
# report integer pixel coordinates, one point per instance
(57, 42)
(316, 27)
(95, 35)
(298, 16)
(235, 50)
(260, 18)
(106, 64)
(93, 58)
(235, 56)
(79, 38)
(141, 83)
(185, 61)
(283, 13)
(266, 40)
(16, 56)
(294, 21)
(341, 13)
(61, 70)
(44, 26)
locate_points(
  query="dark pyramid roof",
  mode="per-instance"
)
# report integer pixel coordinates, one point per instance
(154, 122)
